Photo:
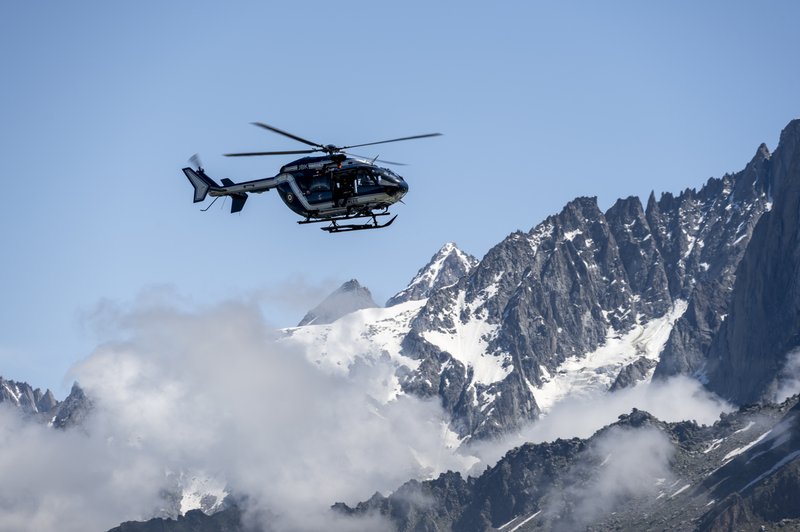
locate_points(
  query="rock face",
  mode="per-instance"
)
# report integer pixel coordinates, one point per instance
(497, 343)
(349, 297)
(564, 308)
(710, 233)
(228, 520)
(73, 410)
(43, 406)
(32, 402)
(445, 268)
(631, 374)
(741, 473)
(763, 323)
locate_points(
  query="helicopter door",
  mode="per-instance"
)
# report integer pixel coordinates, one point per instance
(319, 189)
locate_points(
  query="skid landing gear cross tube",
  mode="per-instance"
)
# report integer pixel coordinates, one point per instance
(335, 227)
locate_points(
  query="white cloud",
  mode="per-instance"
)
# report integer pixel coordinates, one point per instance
(209, 390)
(788, 380)
(622, 463)
(677, 399)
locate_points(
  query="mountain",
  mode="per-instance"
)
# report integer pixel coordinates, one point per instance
(741, 473)
(763, 322)
(228, 520)
(569, 308)
(349, 297)
(445, 268)
(31, 402)
(43, 406)
(510, 338)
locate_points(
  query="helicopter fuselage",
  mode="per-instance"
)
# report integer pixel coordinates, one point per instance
(325, 187)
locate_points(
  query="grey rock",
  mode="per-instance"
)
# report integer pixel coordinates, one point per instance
(556, 485)
(554, 292)
(703, 236)
(74, 410)
(763, 324)
(228, 520)
(445, 268)
(349, 297)
(29, 401)
(631, 374)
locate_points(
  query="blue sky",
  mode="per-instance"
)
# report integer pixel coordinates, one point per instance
(103, 103)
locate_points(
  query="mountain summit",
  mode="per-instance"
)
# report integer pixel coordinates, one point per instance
(349, 297)
(445, 268)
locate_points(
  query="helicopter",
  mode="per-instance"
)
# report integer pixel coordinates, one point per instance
(336, 187)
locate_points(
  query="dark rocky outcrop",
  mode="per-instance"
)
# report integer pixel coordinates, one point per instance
(43, 406)
(228, 520)
(763, 324)
(74, 409)
(703, 236)
(349, 297)
(631, 374)
(30, 401)
(556, 291)
(550, 486)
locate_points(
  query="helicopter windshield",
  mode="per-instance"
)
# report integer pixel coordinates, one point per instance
(386, 174)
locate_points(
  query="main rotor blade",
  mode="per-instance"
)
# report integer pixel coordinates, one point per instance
(286, 134)
(392, 140)
(291, 152)
(377, 160)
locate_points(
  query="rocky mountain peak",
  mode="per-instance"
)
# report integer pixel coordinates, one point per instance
(349, 297)
(445, 268)
(762, 323)
(23, 396)
(43, 406)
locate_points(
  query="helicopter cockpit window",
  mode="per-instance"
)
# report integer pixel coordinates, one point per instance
(365, 178)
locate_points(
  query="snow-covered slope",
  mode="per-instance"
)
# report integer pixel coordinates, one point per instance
(445, 268)
(366, 338)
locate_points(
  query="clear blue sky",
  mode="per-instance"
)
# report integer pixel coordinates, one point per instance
(103, 102)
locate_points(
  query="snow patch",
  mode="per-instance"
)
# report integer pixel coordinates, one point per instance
(368, 334)
(681, 490)
(201, 492)
(595, 372)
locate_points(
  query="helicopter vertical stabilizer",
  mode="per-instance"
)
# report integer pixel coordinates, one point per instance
(201, 183)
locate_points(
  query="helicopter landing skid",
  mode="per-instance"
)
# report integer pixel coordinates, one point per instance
(334, 227)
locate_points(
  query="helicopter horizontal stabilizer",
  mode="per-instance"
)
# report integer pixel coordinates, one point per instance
(201, 183)
(237, 203)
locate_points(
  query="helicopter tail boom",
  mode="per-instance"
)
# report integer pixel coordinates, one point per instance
(201, 183)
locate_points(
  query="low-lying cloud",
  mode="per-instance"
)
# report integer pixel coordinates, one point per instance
(208, 391)
(183, 391)
(622, 463)
(676, 399)
(787, 383)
